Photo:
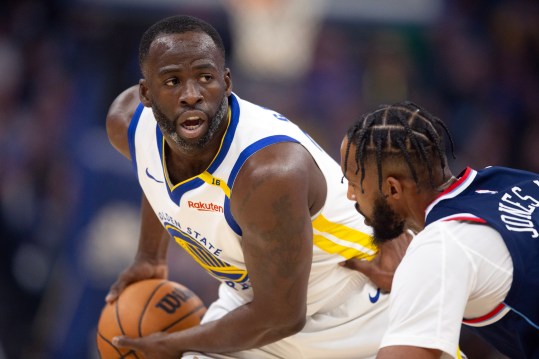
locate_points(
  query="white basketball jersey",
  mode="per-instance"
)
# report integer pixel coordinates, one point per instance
(196, 212)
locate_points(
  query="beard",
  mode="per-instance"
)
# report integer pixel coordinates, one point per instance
(168, 127)
(386, 223)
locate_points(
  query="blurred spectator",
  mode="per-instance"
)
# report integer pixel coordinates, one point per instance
(273, 39)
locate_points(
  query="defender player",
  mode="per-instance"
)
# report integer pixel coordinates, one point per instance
(476, 254)
(253, 200)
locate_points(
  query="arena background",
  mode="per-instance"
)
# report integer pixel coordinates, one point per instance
(68, 201)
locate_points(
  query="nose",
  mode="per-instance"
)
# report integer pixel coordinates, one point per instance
(190, 95)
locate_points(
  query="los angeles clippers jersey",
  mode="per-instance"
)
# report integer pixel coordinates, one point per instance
(505, 199)
(196, 212)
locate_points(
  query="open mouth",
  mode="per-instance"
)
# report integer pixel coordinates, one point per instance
(192, 123)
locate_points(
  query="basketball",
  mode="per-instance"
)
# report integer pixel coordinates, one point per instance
(143, 308)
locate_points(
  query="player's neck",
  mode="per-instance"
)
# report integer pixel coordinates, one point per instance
(416, 217)
(430, 196)
(182, 165)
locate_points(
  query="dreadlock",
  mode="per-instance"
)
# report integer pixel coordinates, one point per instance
(402, 131)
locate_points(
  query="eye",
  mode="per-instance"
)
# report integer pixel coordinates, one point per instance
(172, 82)
(205, 78)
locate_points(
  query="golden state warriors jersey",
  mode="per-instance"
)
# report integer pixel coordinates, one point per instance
(196, 212)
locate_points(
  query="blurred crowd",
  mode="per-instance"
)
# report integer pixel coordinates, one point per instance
(68, 201)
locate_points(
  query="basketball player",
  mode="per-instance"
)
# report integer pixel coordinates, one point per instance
(253, 200)
(476, 254)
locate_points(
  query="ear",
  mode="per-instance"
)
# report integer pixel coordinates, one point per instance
(228, 81)
(144, 93)
(394, 188)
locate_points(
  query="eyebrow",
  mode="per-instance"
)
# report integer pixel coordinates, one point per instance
(175, 68)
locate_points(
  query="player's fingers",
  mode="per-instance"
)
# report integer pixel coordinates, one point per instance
(116, 289)
(362, 266)
(112, 295)
(126, 342)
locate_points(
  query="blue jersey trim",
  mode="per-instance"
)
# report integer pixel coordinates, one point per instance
(244, 155)
(132, 129)
(178, 192)
(230, 219)
(253, 148)
(229, 136)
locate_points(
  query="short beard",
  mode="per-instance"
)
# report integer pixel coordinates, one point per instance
(386, 223)
(168, 127)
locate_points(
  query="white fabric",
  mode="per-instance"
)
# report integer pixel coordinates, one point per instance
(452, 270)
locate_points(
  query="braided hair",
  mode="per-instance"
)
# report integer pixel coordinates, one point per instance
(402, 131)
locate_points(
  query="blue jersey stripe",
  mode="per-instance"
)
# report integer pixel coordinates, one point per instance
(131, 135)
(244, 155)
(229, 136)
(253, 148)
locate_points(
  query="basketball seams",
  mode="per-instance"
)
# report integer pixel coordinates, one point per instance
(163, 282)
(117, 315)
(121, 356)
(201, 306)
(108, 342)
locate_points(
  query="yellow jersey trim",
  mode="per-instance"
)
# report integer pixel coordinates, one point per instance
(335, 238)
(215, 181)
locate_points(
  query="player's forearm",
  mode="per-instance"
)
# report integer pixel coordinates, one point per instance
(154, 239)
(241, 329)
(405, 352)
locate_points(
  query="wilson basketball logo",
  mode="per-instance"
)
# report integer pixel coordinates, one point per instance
(205, 207)
(170, 302)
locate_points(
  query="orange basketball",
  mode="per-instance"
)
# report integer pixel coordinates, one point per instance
(143, 308)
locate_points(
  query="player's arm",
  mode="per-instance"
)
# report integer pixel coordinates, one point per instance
(406, 352)
(271, 202)
(151, 257)
(119, 117)
(272, 206)
(150, 260)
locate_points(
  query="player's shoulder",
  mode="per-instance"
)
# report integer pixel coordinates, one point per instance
(258, 114)
(289, 161)
(453, 233)
(119, 117)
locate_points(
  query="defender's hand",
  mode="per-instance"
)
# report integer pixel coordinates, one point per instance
(382, 268)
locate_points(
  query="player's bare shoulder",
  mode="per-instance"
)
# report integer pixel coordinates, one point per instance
(282, 168)
(119, 117)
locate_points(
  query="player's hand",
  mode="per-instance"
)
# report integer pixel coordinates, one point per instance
(153, 346)
(382, 268)
(138, 271)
